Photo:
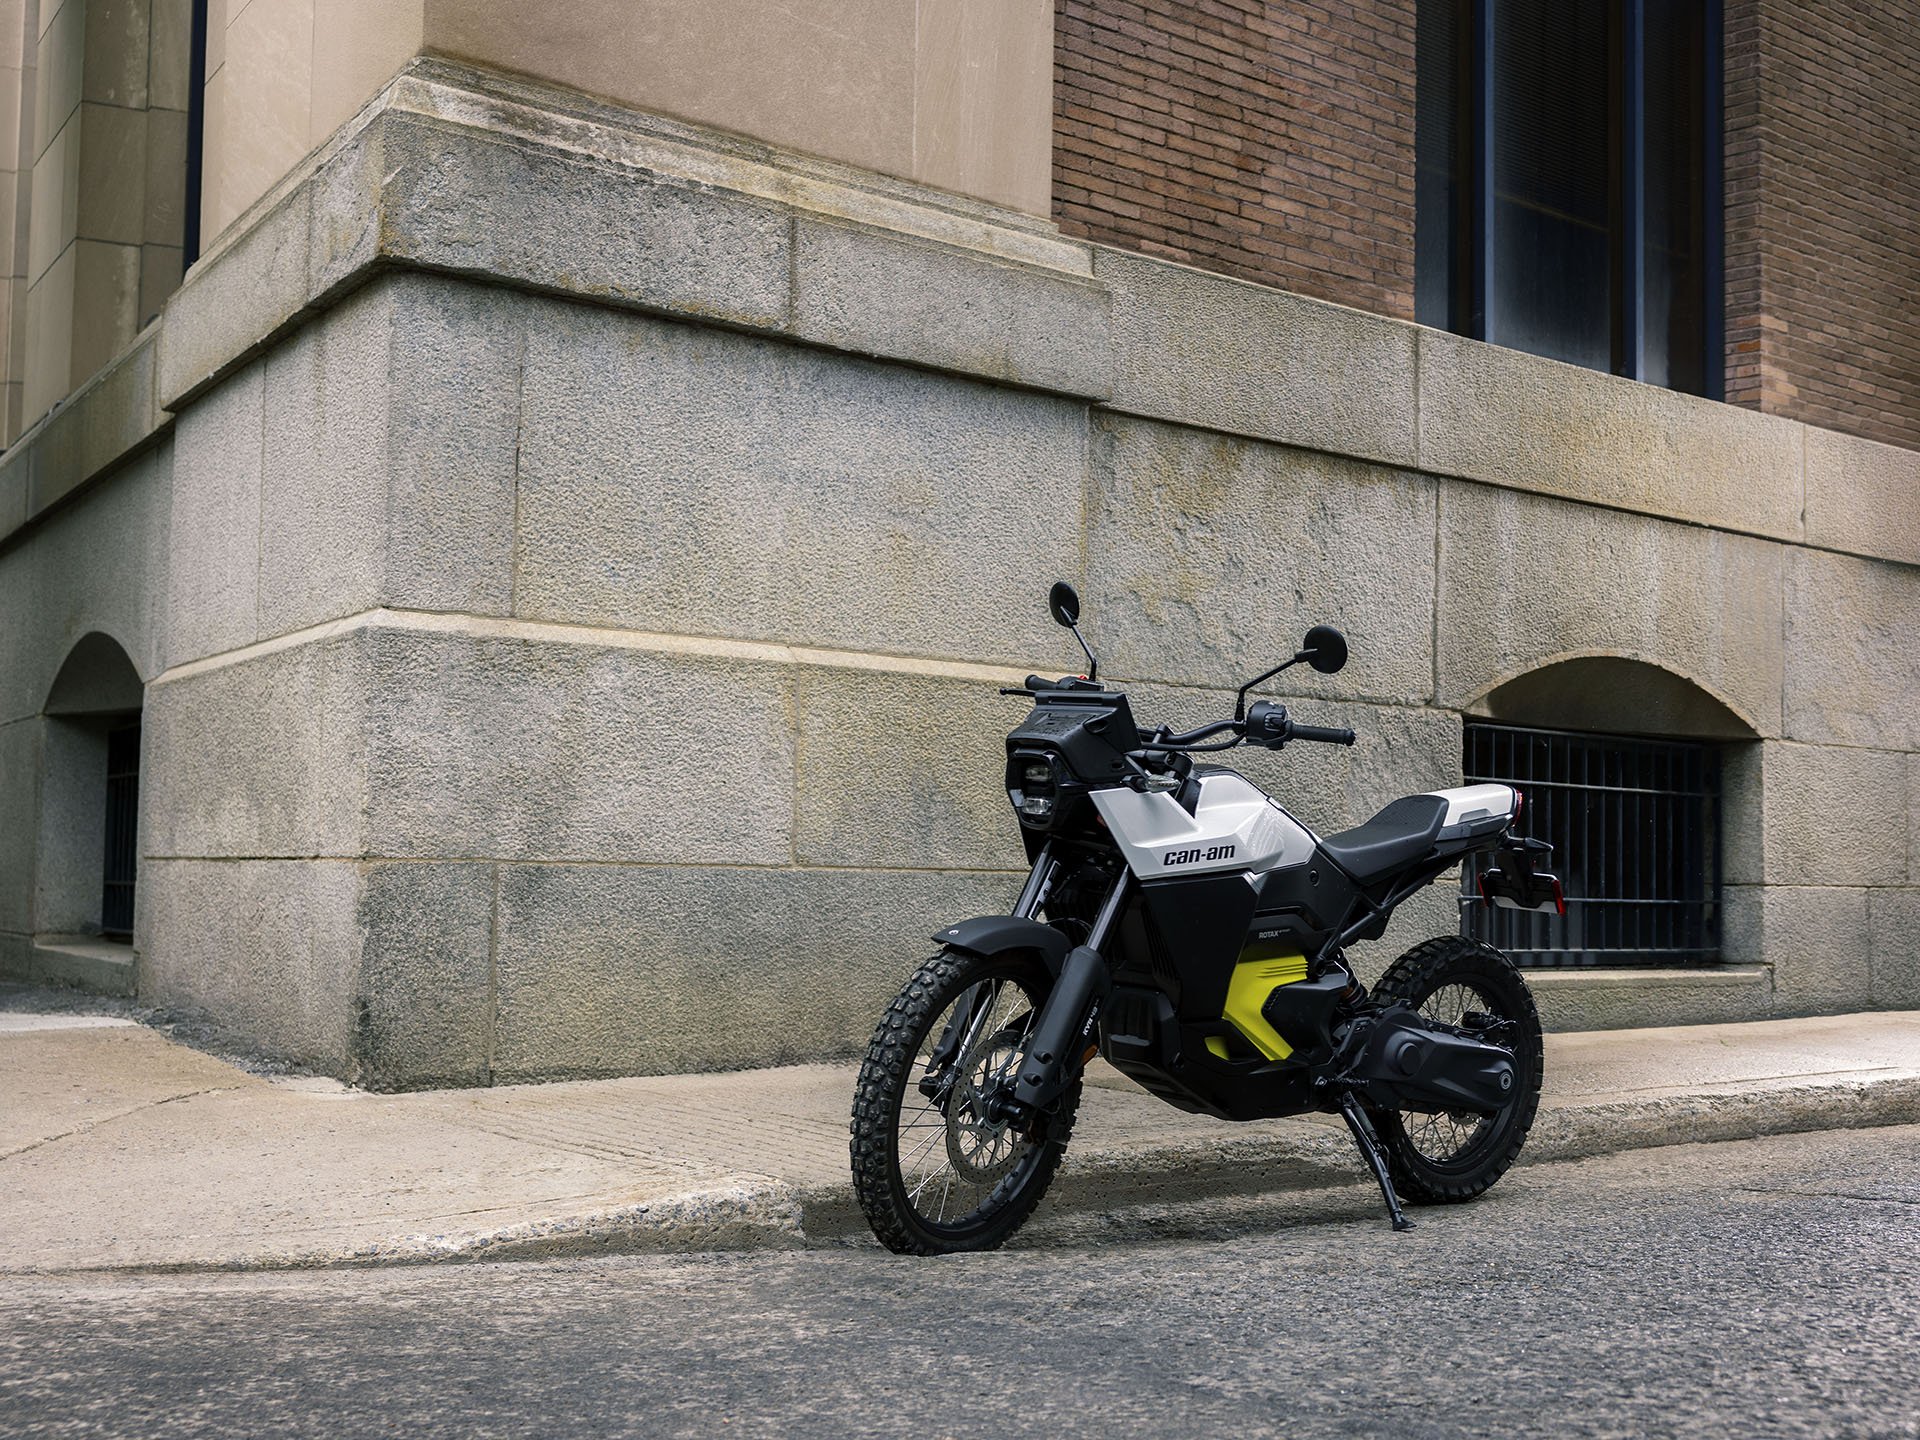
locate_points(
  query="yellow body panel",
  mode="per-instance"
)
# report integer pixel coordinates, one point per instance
(1253, 981)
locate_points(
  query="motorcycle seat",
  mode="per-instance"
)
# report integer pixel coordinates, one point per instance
(1396, 837)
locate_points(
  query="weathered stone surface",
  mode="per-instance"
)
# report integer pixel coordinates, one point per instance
(426, 1002)
(694, 481)
(468, 201)
(323, 478)
(251, 285)
(260, 757)
(1206, 350)
(101, 563)
(1861, 496)
(1913, 818)
(1499, 415)
(16, 954)
(870, 292)
(452, 429)
(1743, 813)
(1894, 918)
(345, 211)
(903, 769)
(495, 744)
(96, 427)
(1815, 939)
(20, 694)
(267, 947)
(1835, 816)
(16, 474)
(213, 572)
(1208, 558)
(1526, 580)
(1852, 668)
(1631, 999)
(70, 839)
(19, 812)
(616, 969)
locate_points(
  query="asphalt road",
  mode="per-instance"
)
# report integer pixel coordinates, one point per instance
(1753, 1289)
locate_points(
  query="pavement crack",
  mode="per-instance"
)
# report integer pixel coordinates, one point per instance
(1828, 1195)
(87, 1126)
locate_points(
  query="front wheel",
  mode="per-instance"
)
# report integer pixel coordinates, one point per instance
(1454, 1155)
(937, 1166)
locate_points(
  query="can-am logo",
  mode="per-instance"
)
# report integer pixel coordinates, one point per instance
(1195, 857)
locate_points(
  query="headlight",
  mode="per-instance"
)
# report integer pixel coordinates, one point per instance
(1034, 789)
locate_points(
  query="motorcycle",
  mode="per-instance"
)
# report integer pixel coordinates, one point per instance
(1179, 922)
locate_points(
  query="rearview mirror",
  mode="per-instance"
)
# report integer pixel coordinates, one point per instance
(1326, 649)
(1064, 601)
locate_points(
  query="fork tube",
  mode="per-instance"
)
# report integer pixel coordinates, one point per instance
(1039, 882)
(1110, 910)
(1065, 1027)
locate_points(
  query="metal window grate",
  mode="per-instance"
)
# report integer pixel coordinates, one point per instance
(123, 804)
(1635, 829)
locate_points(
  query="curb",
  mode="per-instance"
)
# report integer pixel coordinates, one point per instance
(1097, 1186)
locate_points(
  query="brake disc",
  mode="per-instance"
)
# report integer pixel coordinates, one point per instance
(982, 1150)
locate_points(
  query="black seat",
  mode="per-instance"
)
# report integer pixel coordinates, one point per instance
(1397, 836)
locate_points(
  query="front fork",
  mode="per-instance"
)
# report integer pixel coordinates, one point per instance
(1064, 1029)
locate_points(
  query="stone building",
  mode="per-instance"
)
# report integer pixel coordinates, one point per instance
(530, 601)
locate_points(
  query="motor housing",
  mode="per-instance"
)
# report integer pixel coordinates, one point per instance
(1403, 1061)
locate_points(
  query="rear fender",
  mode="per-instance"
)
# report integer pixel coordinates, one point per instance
(989, 935)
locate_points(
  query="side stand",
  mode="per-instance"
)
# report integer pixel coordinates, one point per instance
(1370, 1151)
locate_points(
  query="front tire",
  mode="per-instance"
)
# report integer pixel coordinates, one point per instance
(934, 1173)
(1454, 1156)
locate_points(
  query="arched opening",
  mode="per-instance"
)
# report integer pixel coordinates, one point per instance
(1623, 766)
(1613, 696)
(89, 808)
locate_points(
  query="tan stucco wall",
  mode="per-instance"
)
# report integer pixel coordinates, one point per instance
(93, 133)
(953, 93)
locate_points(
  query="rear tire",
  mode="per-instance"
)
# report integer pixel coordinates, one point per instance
(932, 1175)
(1447, 1158)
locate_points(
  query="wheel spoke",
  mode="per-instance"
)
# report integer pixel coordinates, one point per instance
(1444, 1137)
(952, 1160)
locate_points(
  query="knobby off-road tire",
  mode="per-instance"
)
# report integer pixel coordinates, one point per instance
(930, 1180)
(1444, 1159)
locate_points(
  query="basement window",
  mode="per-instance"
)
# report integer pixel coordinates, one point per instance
(123, 804)
(1635, 829)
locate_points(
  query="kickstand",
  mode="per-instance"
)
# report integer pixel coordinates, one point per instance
(1370, 1151)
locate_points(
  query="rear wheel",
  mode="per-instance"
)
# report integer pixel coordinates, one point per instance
(936, 1166)
(1454, 1155)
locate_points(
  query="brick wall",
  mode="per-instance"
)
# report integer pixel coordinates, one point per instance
(1269, 139)
(1823, 213)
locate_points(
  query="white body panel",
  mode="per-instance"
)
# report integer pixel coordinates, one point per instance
(1467, 803)
(1235, 826)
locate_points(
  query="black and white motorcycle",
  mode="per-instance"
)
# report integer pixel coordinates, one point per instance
(1180, 923)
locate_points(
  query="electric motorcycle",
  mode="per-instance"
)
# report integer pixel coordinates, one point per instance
(1177, 921)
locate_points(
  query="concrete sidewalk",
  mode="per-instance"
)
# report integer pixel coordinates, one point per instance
(120, 1148)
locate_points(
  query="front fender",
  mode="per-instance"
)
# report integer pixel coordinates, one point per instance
(987, 935)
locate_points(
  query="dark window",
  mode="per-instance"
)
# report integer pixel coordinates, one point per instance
(123, 803)
(1635, 829)
(196, 131)
(1567, 177)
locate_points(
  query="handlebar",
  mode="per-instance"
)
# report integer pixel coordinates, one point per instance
(1328, 734)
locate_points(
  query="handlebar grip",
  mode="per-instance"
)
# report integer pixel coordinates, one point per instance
(1040, 682)
(1328, 734)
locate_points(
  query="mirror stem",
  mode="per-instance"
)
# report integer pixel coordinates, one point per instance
(1093, 665)
(1240, 700)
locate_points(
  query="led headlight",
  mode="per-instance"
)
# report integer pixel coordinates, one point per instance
(1034, 789)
